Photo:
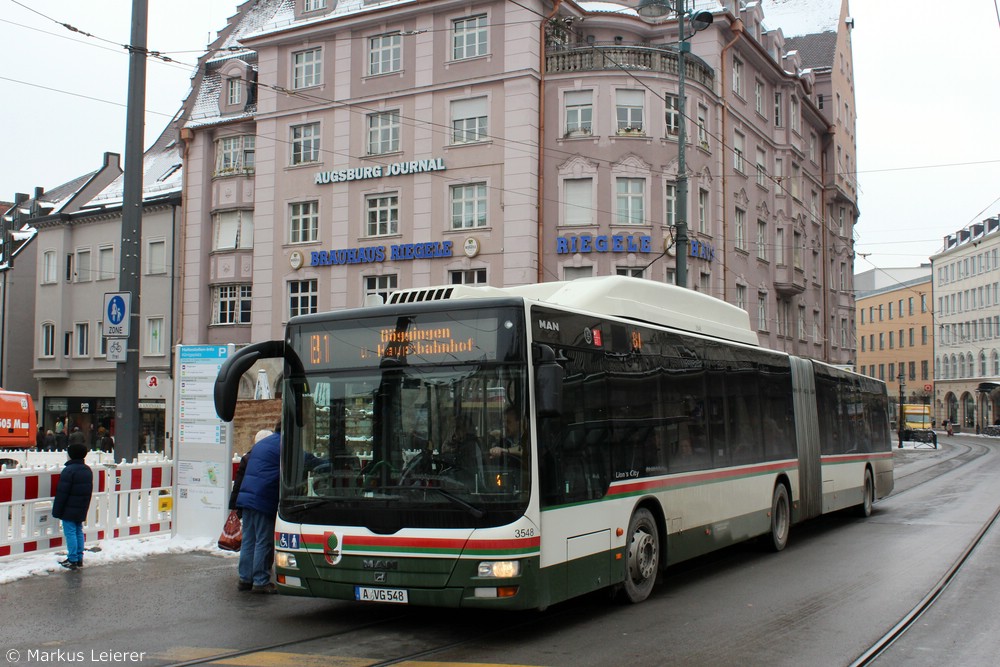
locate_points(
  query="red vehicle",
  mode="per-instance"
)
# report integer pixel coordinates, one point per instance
(18, 424)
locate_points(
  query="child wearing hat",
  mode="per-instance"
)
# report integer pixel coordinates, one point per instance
(72, 501)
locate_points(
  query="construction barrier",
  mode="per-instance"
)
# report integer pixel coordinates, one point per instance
(130, 499)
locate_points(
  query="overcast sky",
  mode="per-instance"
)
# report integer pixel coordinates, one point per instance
(927, 77)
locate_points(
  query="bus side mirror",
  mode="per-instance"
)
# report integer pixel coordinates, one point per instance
(549, 376)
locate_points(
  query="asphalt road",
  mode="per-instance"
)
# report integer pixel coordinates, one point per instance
(839, 586)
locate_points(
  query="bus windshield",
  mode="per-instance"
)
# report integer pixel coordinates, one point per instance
(412, 423)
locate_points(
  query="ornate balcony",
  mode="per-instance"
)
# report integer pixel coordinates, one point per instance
(789, 280)
(635, 58)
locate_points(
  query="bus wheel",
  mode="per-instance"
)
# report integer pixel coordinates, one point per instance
(864, 510)
(643, 556)
(781, 518)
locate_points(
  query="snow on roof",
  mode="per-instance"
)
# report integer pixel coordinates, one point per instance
(161, 166)
(624, 8)
(801, 17)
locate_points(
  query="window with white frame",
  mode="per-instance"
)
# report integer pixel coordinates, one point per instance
(303, 297)
(469, 120)
(156, 256)
(305, 143)
(233, 230)
(48, 342)
(794, 112)
(468, 277)
(574, 272)
(671, 204)
(741, 229)
(703, 126)
(705, 282)
(797, 250)
(83, 266)
(235, 154)
(313, 5)
(383, 132)
(303, 222)
(761, 311)
(384, 54)
(779, 169)
(234, 91)
(673, 114)
(579, 112)
(703, 211)
(758, 94)
(469, 37)
(468, 205)
(382, 214)
(578, 201)
(82, 335)
(307, 68)
(231, 304)
(761, 239)
(737, 76)
(812, 146)
(50, 267)
(779, 246)
(801, 325)
(741, 296)
(630, 196)
(761, 168)
(629, 105)
(630, 271)
(105, 263)
(154, 336)
(796, 177)
(739, 150)
(778, 105)
(380, 286)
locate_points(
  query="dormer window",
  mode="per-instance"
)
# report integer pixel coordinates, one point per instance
(313, 5)
(234, 91)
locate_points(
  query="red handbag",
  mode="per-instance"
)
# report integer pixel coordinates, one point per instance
(232, 533)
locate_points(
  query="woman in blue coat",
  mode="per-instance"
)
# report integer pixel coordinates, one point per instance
(72, 502)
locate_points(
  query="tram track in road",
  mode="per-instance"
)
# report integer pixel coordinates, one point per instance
(906, 622)
(913, 475)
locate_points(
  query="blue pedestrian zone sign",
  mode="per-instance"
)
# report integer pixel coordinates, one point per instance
(117, 313)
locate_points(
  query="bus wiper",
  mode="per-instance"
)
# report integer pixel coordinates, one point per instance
(472, 509)
(302, 506)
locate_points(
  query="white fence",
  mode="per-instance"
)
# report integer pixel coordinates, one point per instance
(129, 499)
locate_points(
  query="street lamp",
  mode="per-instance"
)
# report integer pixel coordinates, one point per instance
(902, 385)
(698, 21)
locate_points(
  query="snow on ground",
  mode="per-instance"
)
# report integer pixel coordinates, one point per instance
(42, 564)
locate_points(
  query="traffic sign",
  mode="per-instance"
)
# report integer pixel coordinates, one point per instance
(117, 313)
(116, 351)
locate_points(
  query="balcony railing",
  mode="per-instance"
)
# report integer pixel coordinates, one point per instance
(597, 57)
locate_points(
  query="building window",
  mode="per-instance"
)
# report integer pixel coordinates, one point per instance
(737, 76)
(630, 271)
(234, 91)
(383, 214)
(307, 68)
(703, 126)
(629, 105)
(154, 336)
(778, 117)
(630, 201)
(83, 267)
(305, 143)
(469, 37)
(380, 286)
(303, 297)
(105, 263)
(233, 230)
(384, 54)
(673, 117)
(758, 94)
(235, 154)
(303, 222)
(741, 296)
(794, 113)
(49, 267)
(578, 198)
(779, 246)
(156, 257)
(574, 272)
(468, 277)
(82, 333)
(468, 120)
(761, 239)
(383, 132)
(102, 338)
(761, 168)
(313, 5)
(48, 340)
(739, 149)
(703, 211)
(231, 304)
(761, 312)
(801, 325)
(671, 205)
(468, 206)
(741, 229)
(579, 112)
(797, 250)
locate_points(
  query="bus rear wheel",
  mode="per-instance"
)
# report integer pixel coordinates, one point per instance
(864, 510)
(643, 557)
(781, 518)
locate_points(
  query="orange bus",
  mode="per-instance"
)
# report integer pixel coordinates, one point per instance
(18, 423)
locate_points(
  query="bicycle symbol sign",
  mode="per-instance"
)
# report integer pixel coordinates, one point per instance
(116, 314)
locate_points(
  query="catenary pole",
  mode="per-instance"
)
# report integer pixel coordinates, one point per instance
(127, 424)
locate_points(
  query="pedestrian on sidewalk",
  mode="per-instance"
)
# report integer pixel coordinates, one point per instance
(72, 502)
(258, 501)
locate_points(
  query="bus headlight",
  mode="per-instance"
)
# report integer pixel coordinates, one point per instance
(500, 569)
(283, 559)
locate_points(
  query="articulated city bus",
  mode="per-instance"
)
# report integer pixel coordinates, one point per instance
(512, 448)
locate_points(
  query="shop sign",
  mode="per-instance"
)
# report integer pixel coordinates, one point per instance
(380, 170)
(379, 253)
(585, 243)
(701, 250)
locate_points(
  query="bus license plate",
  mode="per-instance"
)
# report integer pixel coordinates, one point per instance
(367, 594)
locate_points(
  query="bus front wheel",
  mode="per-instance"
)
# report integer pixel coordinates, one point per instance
(781, 518)
(643, 557)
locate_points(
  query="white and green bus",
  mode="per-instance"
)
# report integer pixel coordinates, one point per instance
(512, 448)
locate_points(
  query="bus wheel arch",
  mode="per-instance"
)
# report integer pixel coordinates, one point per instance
(780, 515)
(643, 552)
